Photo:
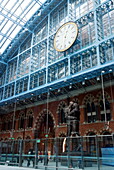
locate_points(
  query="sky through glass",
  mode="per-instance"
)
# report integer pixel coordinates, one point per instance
(13, 16)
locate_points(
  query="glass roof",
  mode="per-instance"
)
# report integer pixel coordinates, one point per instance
(13, 16)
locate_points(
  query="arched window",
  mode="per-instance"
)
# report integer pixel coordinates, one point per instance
(19, 138)
(89, 116)
(105, 109)
(6, 139)
(4, 126)
(61, 113)
(10, 123)
(91, 112)
(29, 119)
(62, 116)
(1, 139)
(21, 120)
(7, 123)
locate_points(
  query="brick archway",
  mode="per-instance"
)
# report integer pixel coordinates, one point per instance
(89, 98)
(105, 131)
(90, 131)
(61, 112)
(100, 96)
(40, 118)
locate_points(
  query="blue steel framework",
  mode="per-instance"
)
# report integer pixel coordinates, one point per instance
(30, 64)
(13, 17)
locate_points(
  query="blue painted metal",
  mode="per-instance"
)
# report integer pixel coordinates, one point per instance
(2, 62)
(74, 78)
(19, 19)
(90, 73)
(29, 25)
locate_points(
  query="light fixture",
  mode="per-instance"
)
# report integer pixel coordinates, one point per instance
(70, 86)
(93, 50)
(98, 78)
(26, 29)
(65, 80)
(108, 42)
(39, 13)
(83, 82)
(59, 90)
(102, 71)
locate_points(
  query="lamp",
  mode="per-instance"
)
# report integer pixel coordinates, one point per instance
(83, 83)
(59, 90)
(98, 78)
(70, 86)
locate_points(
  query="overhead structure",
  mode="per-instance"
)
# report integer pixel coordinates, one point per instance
(13, 17)
(30, 65)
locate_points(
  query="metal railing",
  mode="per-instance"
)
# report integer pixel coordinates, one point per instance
(87, 152)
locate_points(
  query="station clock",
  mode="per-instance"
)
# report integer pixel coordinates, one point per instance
(65, 36)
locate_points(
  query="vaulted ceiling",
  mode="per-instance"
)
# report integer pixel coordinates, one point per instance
(14, 14)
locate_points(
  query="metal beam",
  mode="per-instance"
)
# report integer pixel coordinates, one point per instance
(37, 1)
(3, 62)
(12, 14)
(4, 35)
(28, 24)
(17, 23)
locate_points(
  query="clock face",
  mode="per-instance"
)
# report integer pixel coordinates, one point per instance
(65, 36)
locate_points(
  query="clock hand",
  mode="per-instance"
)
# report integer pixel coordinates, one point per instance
(67, 30)
(66, 34)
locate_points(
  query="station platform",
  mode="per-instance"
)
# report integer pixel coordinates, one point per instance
(5, 167)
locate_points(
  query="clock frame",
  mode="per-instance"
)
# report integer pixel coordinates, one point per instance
(65, 36)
